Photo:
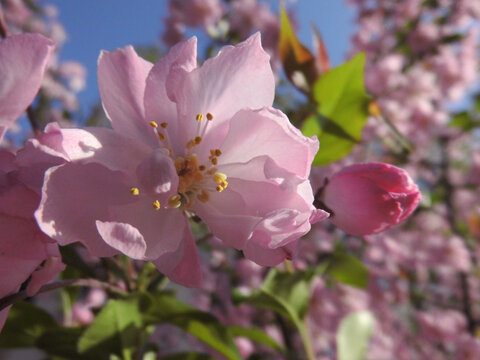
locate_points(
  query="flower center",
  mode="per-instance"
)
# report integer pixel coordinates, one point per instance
(196, 180)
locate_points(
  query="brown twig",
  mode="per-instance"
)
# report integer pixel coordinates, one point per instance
(444, 181)
(22, 295)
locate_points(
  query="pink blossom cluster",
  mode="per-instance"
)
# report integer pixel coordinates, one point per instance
(223, 21)
(420, 57)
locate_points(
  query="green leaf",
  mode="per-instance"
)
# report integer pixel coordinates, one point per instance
(354, 335)
(256, 335)
(464, 121)
(348, 270)
(187, 356)
(342, 110)
(163, 307)
(284, 293)
(62, 342)
(116, 329)
(25, 324)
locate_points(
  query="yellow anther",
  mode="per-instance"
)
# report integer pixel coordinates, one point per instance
(219, 188)
(198, 140)
(134, 191)
(164, 125)
(203, 196)
(201, 167)
(209, 116)
(156, 204)
(218, 152)
(153, 124)
(199, 117)
(161, 136)
(214, 160)
(174, 201)
(374, 109)
(224, 184)
(219, 177)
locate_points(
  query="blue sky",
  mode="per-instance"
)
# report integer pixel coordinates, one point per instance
(109, 24)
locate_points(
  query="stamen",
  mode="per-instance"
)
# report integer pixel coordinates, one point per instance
(224, 184)
(164, 125)
(198, 140)
(202, 168)
(209, 116)
(153, 124)
(161, 136)
(219, 178)
(156, 205)
(212, 171)
(174, 201)
(199, 117)
(134, 191)
(219, 188)
(214, 160)
(218, 152)
(204, 196)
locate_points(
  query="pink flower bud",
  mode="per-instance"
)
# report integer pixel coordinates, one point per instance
(369, 198)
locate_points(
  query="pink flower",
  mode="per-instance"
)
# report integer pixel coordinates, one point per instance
(369, 198)
(24, 58)
(186, 141)
(23, 247)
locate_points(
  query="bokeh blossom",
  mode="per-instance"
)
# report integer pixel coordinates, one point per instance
(24, 59)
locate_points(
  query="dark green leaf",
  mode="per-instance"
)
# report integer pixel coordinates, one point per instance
(62, 342)
(25, 324)
(348, 270)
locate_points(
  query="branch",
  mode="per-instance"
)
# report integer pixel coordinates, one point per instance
(22, 295)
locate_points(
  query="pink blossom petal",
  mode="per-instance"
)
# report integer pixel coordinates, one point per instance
(157, 175)
(24, 58)
(255, 204)
(183, 265)
(161, 230)
(121, 81)
(10, 281)
(17, 200)
(69, 216)
(123, 237)
(50, 269)
(101, 145)
(158, 106)
(266, 256)
(268, 132)
(238, 77)
(3, 316)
